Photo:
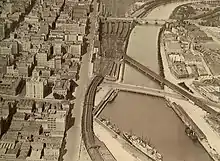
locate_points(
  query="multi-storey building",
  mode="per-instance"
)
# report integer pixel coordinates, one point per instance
(35, 88)
(42, 59)
(61, 87)
(2, 29)
(58, 62)
(75, 50)
(11, 86)
(57, 122)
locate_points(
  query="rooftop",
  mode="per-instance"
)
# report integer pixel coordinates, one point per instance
(61, 84)
(173, 45)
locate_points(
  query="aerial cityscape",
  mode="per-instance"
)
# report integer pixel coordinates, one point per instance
(109, 80)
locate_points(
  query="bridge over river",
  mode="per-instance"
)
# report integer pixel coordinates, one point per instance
(141, 90)
(146, 71)
(141, 21)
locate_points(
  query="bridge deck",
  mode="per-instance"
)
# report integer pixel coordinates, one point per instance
(145, 70)
(142, 90)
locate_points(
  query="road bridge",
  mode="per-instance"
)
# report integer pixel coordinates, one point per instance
(146, 8)
(140, 20)
(148, 72)
(141, 90)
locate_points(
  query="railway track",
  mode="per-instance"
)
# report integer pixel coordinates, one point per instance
(87, 120)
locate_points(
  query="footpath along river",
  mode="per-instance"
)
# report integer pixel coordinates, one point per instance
(146, 116)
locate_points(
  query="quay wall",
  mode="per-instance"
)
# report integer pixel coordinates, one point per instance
(187, 120)
(160, 61)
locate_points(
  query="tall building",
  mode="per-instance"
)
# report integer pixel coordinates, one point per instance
(11, 86)
(9, 7)
(51, 63)
(24, 68)
(2, 29)
(42, 59)
(1, 126)
(58, 62)
(57, 122)
(3, 65)
(6, 44)
(35, 88)
(57, 49)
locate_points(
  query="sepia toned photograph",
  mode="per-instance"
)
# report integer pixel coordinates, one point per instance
(109, 80)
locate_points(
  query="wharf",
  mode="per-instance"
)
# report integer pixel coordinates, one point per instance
(212, 143)
(120, 148)
(187, 120)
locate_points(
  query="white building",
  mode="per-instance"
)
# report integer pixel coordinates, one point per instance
(35, 88)
(57, 122)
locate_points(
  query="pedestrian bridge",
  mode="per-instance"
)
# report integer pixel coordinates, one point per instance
(141, 90)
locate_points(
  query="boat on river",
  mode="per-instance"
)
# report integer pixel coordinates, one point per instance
(111, 126)
(191, 134)
(143, 146)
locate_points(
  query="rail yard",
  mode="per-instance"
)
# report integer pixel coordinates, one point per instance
(112, 44)
(113, 37)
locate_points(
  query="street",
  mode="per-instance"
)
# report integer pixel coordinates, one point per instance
(74, 136)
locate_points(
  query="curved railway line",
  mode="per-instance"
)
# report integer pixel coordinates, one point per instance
(87, 120)
(121, 30)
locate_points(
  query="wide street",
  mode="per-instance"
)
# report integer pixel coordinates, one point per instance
(74, 136)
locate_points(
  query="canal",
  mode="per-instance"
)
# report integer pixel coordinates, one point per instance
(147, 116)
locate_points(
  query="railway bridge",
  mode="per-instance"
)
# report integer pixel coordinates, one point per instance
(146, 71)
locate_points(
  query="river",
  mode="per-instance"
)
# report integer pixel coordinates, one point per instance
(146, 116)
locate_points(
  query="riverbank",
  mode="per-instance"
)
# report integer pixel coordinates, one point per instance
(149, 116)
(122, 65)
(160, 61)
(142, 51)
(208, 145)
(116, 144)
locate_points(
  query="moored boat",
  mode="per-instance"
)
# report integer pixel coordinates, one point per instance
(142, 146)
(190, 133)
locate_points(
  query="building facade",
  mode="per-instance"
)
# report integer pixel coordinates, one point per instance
(35, 88)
